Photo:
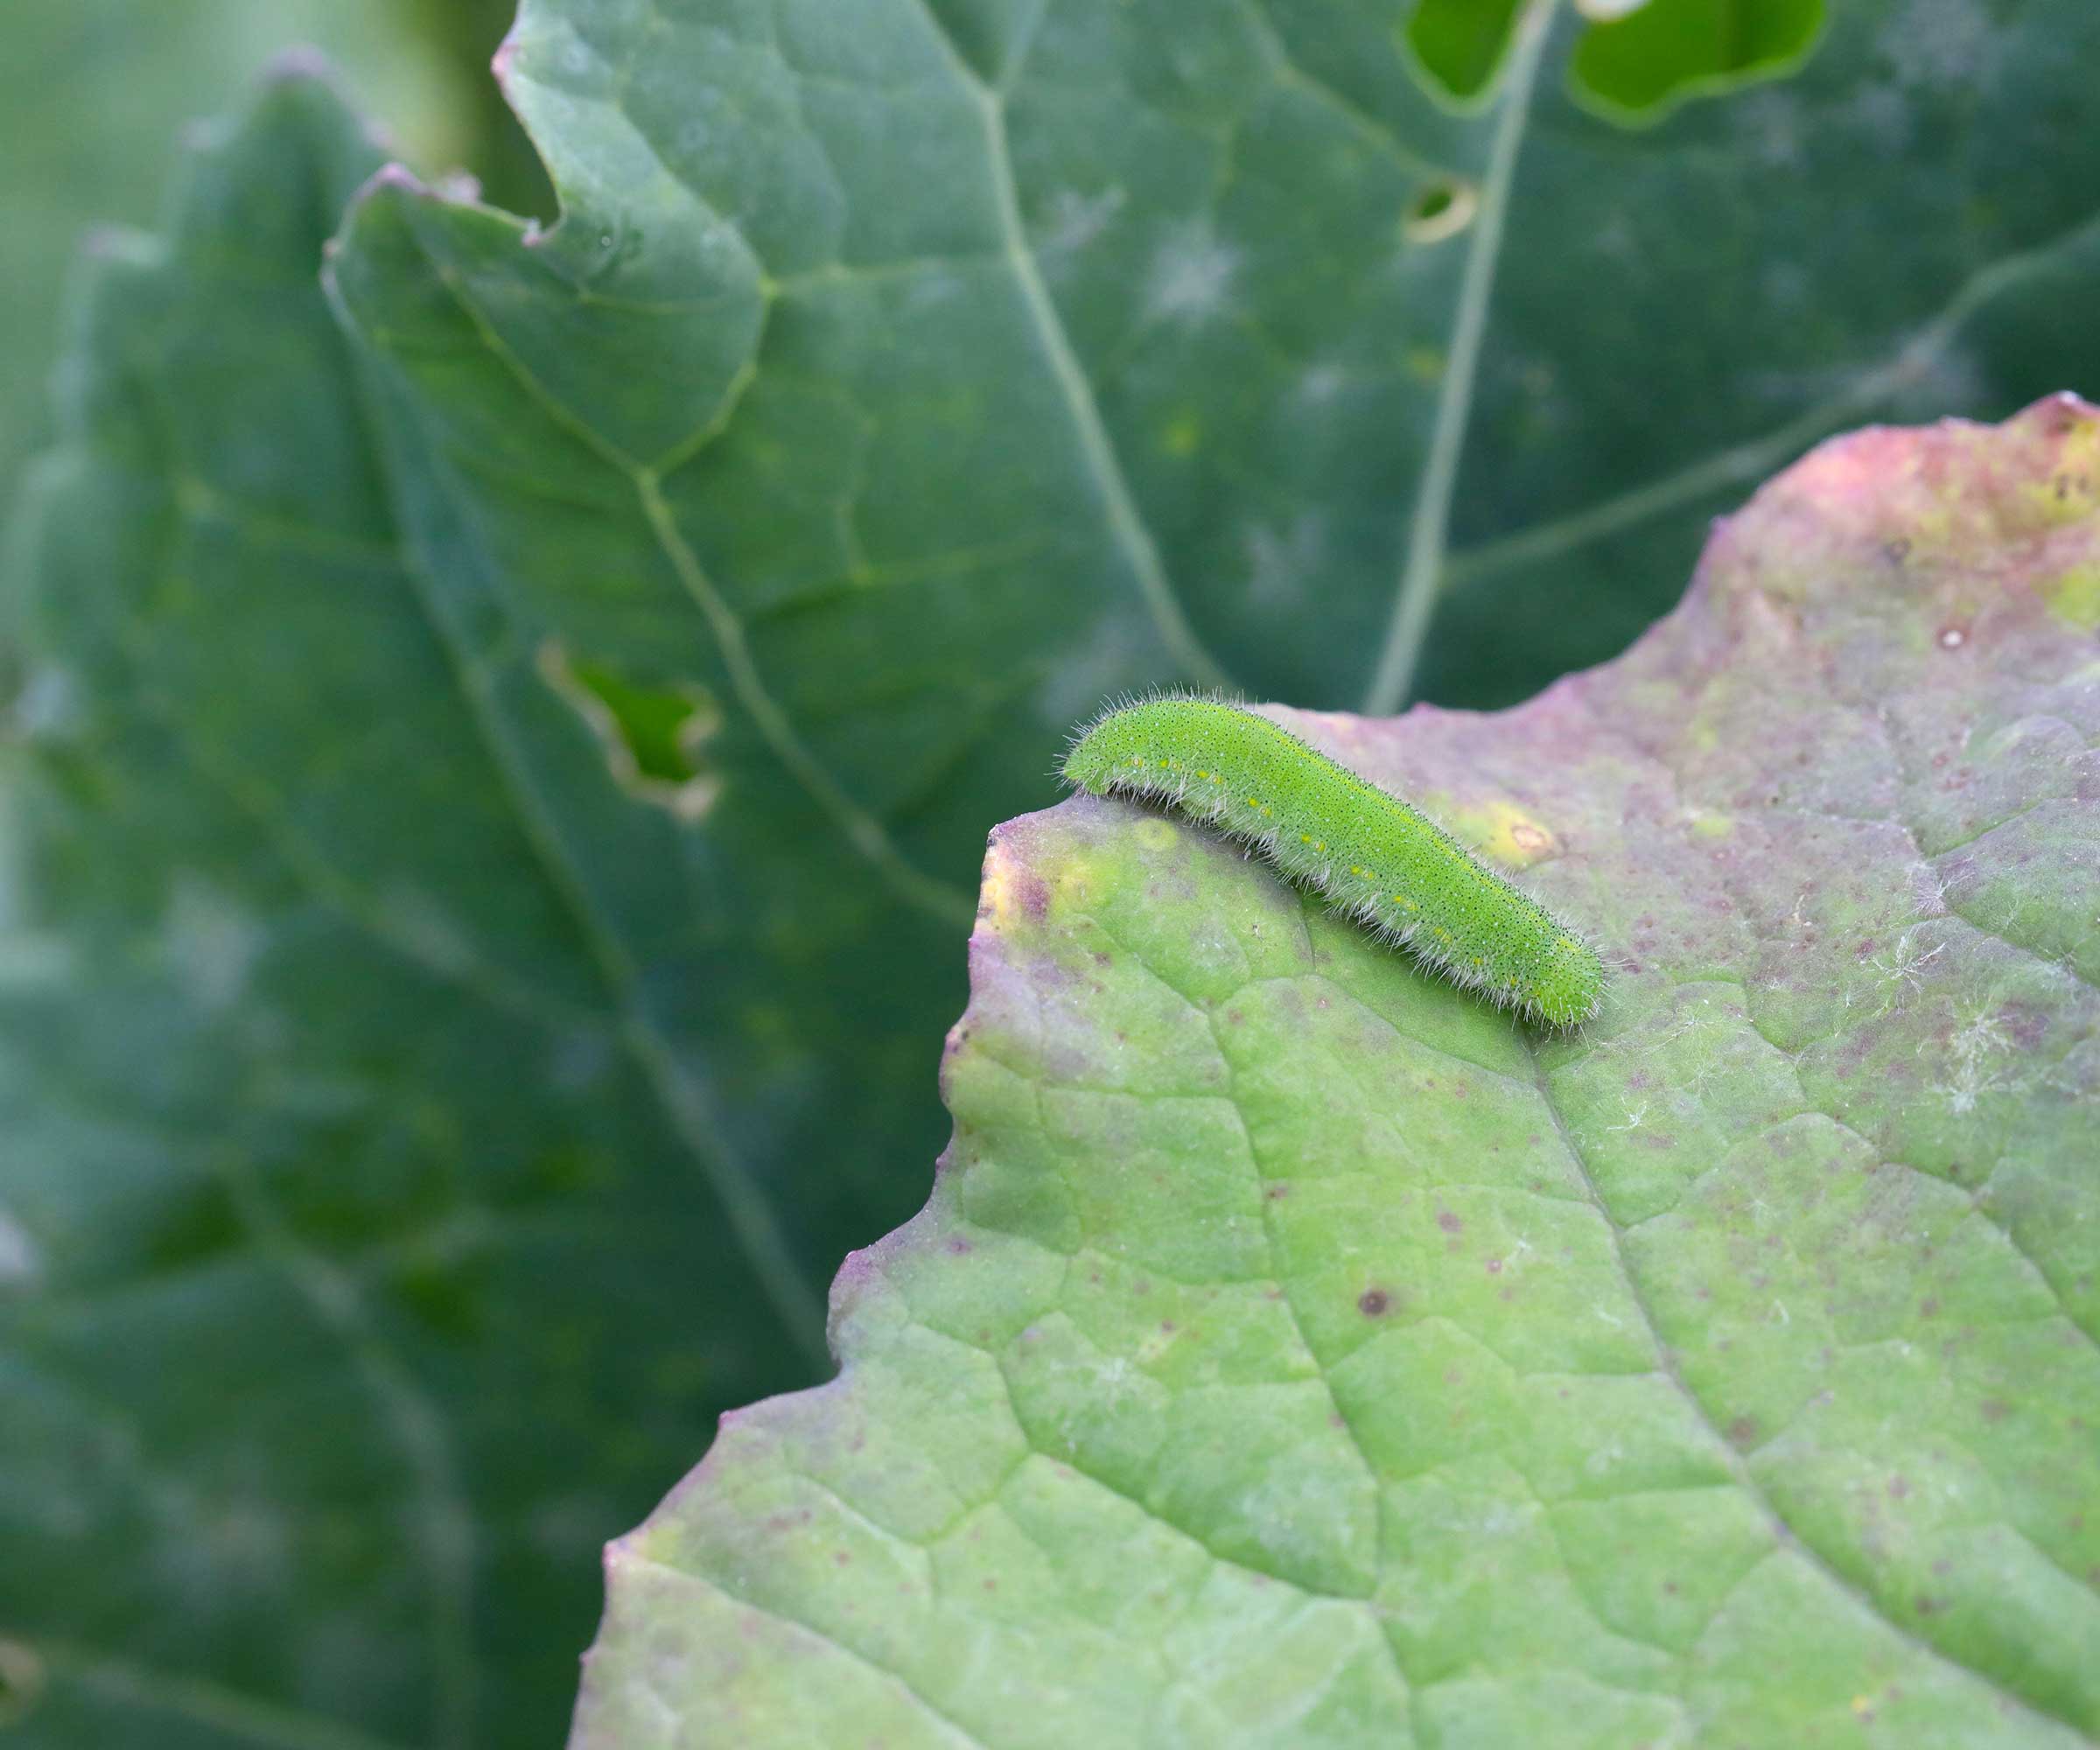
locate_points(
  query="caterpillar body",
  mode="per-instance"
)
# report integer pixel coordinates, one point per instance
(1368, 852)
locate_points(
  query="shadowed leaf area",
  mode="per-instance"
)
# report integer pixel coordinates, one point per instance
(361, 1265)
(1293, 1351)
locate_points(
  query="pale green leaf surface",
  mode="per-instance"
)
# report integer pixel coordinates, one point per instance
(1294, 1352)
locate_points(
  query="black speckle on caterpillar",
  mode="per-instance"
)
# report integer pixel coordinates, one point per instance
(1369, 853)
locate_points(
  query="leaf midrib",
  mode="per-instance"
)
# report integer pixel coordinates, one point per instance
(1421, 577)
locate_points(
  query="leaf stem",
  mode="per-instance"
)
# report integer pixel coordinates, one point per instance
(1416, 598)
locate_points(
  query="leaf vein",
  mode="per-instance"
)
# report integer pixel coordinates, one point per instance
(1132, 537)
(933, 1712)
(1415, 600)
(1744, 1479)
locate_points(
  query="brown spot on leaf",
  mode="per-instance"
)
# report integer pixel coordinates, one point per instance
(1373, 1302)
(1450, 1222)
(1742, 1432)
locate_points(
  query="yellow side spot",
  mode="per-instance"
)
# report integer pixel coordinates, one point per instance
(1305, 838)
(1567, 941)
(1204, 775)
(1443, 935)
(1353, 870)
(1477, 960)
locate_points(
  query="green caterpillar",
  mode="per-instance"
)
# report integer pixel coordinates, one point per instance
(1369, 853)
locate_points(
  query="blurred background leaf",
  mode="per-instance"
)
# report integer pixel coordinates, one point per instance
(92, 93)
(448, 1031)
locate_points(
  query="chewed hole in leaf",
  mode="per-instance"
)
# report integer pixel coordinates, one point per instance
(653, 733)
(1636, 64)
(1441, 209)
(1459, 44)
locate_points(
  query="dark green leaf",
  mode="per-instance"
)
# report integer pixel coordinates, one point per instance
(363, 1262)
